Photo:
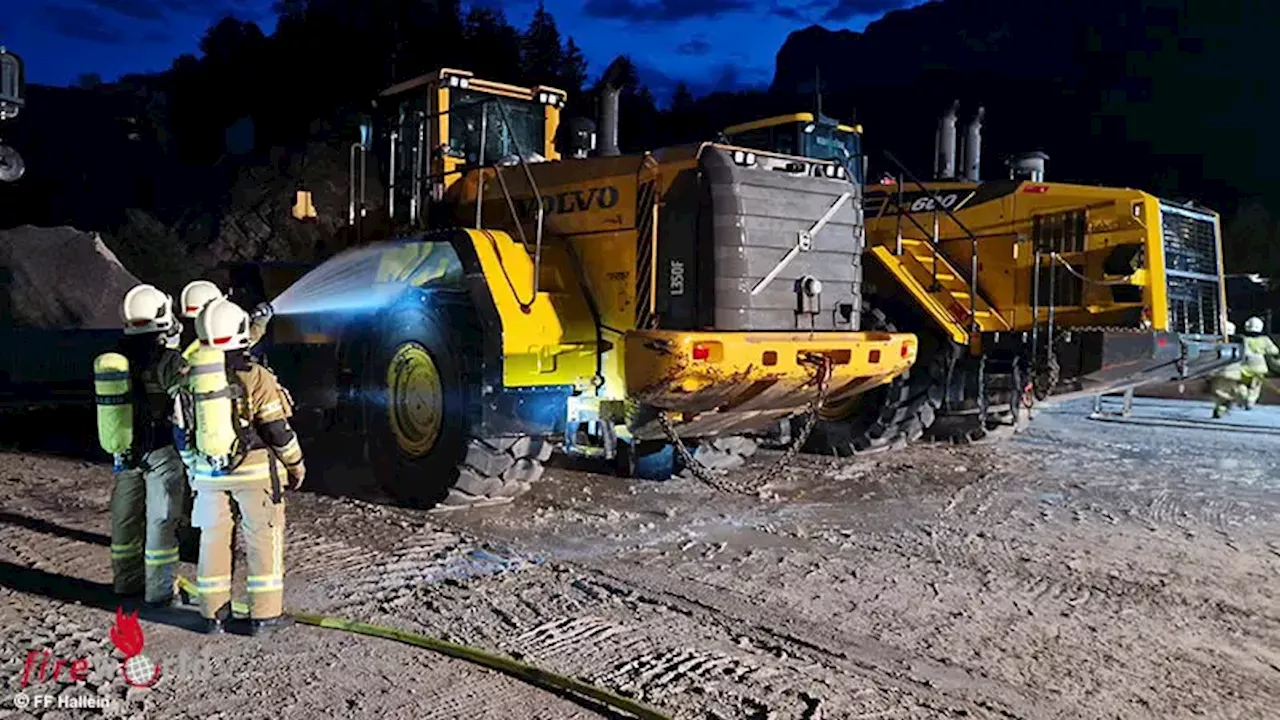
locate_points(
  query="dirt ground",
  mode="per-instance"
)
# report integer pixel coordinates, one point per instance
(1082, 570)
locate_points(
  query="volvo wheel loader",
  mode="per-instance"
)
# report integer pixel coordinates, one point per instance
(1018, 288)
(539, 291)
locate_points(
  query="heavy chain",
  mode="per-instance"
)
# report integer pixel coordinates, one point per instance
(718, 479)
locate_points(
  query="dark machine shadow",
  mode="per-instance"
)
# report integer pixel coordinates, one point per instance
(67, 589)
(48, 528)
(66, 431)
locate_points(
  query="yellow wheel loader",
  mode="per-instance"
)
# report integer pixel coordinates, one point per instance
(543, 289)
(1018, 288)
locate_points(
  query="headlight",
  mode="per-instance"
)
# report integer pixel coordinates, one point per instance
(464, 83)
(739, 157)
(542, 98)
(751, 158)
(840, 171)
(831, 171)
(453, 81)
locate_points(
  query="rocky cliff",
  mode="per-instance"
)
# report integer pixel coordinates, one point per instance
(1167, 95)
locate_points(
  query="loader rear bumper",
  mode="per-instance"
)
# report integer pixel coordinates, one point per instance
(1118, 361)
(724, 383)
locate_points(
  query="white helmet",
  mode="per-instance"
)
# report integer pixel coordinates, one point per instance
(196, 295)
(1231, 328)
(146, 310)
(223, 325)
(1253, 325)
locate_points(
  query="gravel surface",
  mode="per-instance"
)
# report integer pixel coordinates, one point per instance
(1085, 569)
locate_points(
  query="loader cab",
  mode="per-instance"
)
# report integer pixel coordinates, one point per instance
(816, 137)
(448, 122)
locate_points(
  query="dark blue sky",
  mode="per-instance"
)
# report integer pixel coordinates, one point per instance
(709, 43)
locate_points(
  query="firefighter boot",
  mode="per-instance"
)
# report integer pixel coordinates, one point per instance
(265, 626)
(216, 625)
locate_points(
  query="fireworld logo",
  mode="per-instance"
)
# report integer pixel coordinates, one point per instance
(126, 635)
(137, 669)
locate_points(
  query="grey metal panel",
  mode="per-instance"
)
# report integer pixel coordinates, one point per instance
(757, 217)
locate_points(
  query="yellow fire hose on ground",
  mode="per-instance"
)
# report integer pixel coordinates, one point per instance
(514, 668)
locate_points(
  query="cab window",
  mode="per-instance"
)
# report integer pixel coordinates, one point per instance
(521, 129)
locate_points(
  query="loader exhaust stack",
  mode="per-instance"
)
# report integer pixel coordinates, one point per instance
(973, 148)
(610, 91)
(944, 164)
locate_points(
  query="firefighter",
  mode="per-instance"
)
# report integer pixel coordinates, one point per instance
(136, 389)
(246, 454)
(194, 297)
(199, 293)
(1260, 352)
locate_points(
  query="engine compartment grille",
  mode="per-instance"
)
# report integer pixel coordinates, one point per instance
(1190, 241)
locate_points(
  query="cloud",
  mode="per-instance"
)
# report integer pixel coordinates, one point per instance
(846, 9)
(136, 9)
(105, 21)
(659, 11)
(695, 46)
(727, 76)
(78, 23)
(801, 12)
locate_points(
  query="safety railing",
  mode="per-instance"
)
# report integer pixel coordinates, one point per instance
(970, 278)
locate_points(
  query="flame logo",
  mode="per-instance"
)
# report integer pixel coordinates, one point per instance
(126, 635)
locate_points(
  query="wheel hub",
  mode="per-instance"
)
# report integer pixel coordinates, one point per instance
(415, 399)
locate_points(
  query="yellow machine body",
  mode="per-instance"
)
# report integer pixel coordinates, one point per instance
(582, 260)
(1109, 258)
(112, 387)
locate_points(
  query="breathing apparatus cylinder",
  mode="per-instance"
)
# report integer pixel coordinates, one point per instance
(112, 389)
(215, 432)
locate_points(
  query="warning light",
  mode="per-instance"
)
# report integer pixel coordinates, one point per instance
(905, 350)
(701, 352)
(873, 356)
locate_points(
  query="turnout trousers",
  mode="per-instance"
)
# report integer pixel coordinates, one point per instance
(262, 528)
(146, 507)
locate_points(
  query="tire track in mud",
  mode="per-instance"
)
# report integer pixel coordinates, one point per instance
(355, 575)
(938, 687)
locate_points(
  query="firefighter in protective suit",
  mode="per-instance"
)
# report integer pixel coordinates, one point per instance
(1260, 352)
(194, 297)
(199, 293)
(246, 454)
(136, 387)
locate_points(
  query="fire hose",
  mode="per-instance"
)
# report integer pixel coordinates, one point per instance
(514, 668)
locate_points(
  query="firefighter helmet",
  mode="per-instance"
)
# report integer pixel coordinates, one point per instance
(146, 310)
(1253, 325)
(223, 325)
(1231, 328)
(196, 295)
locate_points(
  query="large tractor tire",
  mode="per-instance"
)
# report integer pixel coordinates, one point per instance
(1007, 413)
(421, 443)
(892, 415)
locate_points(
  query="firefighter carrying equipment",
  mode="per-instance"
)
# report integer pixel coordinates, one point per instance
(196, 295)
(113, 397)
(147, 310)
(150, 485)
(240, 413)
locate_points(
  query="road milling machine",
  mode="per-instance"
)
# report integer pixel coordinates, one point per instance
(1017, 288)
(542, 289)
